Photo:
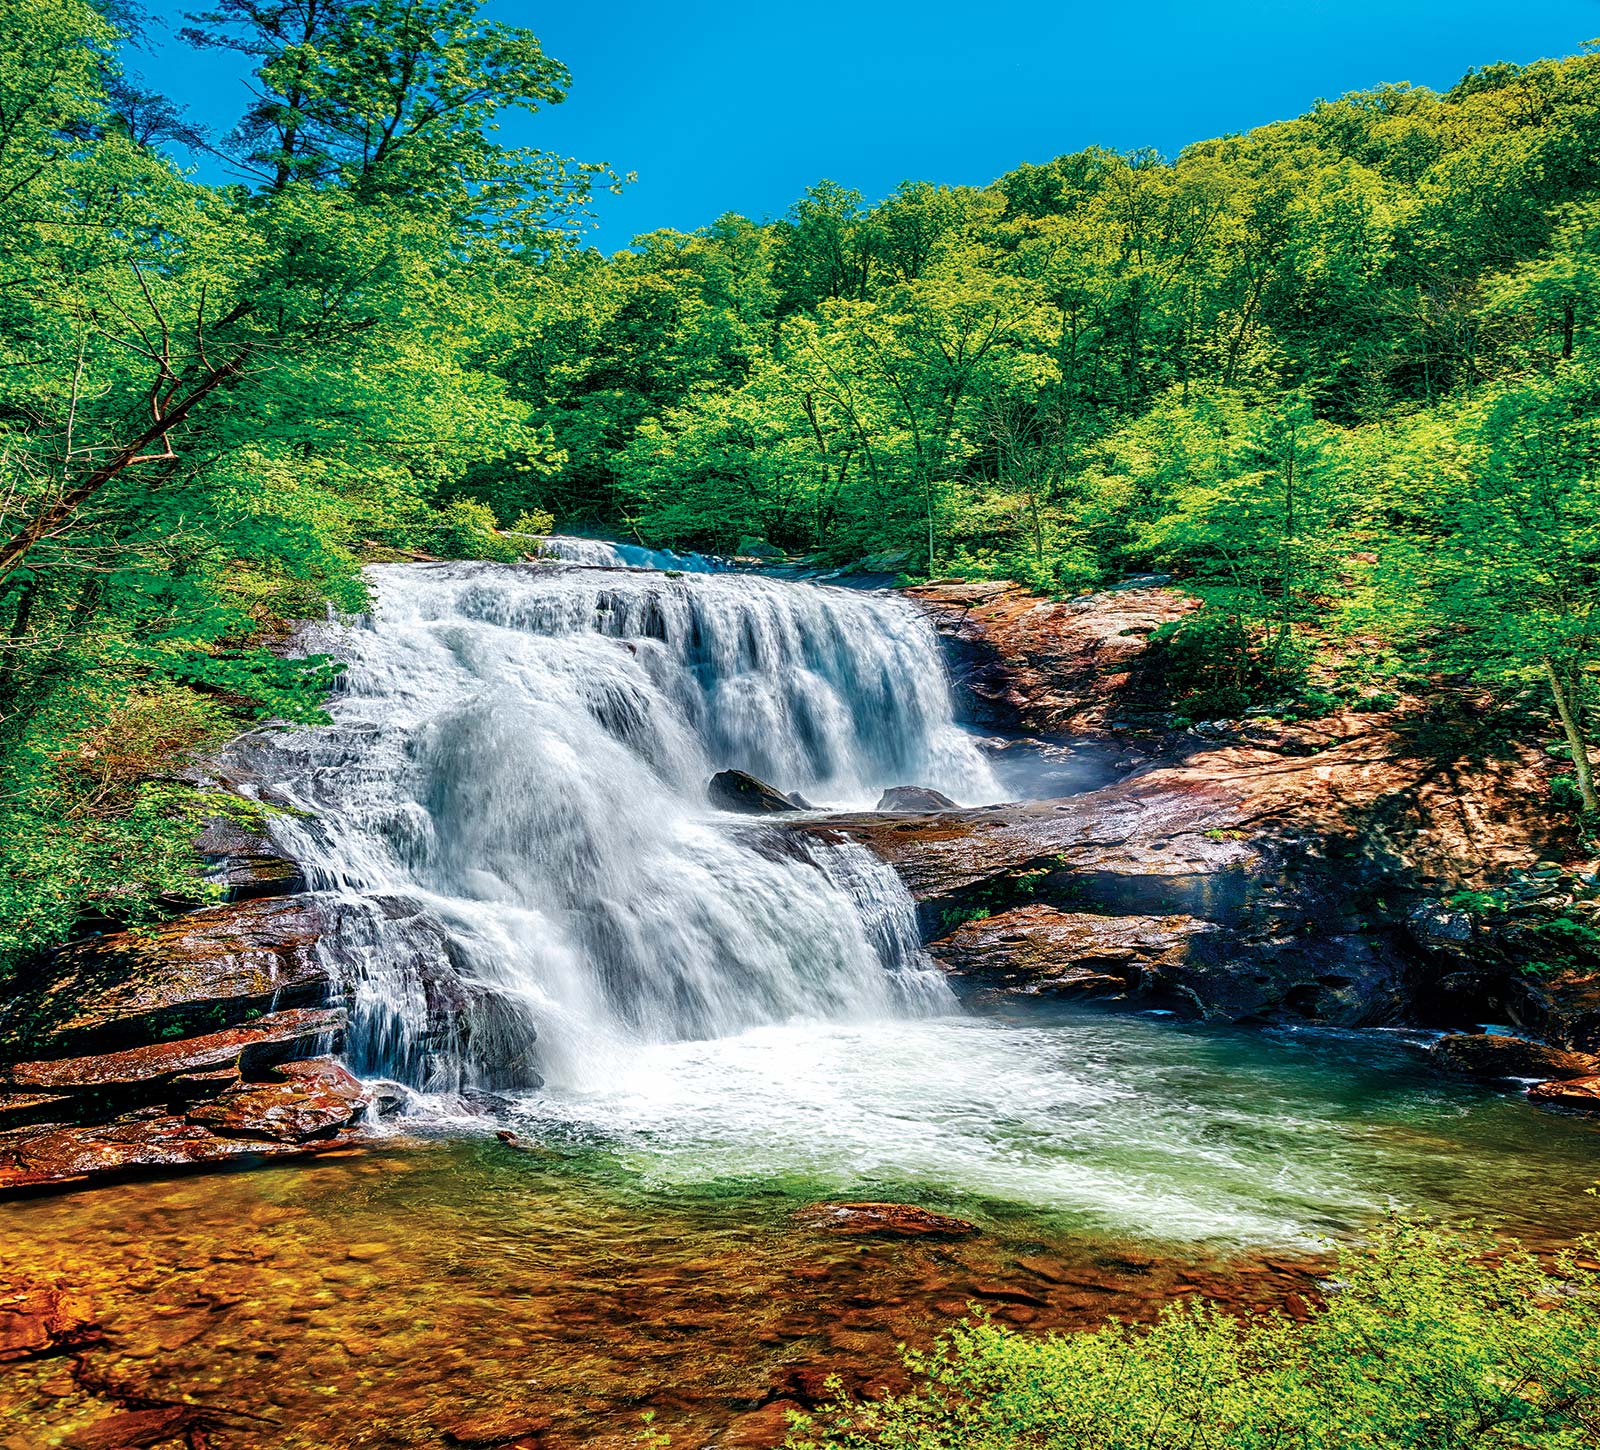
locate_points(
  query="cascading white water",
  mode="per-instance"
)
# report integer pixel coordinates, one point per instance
(511, 805)
(603, 554)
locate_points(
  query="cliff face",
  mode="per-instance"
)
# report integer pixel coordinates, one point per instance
(1248, 870)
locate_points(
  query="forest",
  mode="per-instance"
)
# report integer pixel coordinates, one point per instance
(1337, 376)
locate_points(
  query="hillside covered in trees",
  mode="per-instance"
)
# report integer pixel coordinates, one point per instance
(1338, 376)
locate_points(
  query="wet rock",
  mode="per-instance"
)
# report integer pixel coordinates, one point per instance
(911, 798)
(1582, 1093)
(268, 1039)
(735, 790)
(136, 1141)
(1041, 951)
(23, 1109)
(1491, 1055)
(315, 1098)
(200, 972)
(899, 1220)
(244, 861)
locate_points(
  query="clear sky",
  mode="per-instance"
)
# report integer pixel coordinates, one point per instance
(738, 107)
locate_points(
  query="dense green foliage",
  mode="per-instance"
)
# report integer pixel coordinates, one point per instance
(214, 396)
(1339, 374)
(1425, 1342)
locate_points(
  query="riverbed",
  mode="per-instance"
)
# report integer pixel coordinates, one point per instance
(639, 1253)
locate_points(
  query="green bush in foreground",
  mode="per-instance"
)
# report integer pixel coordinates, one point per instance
(1430, 1339)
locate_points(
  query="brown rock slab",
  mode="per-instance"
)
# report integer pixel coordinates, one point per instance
(1491, 1055)
(316, 1098)
(275, 1036)
(900, 1220)
(136, 1141)
(1042, 951)
(1581, 1092)
(202, 971)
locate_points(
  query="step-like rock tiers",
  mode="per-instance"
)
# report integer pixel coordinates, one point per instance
(206, 1039)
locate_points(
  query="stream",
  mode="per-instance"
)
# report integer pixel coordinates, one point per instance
(697, 1023)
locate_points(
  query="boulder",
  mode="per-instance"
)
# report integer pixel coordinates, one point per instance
(1039, 951)
(736, 790)
(1491, 1055)
(897, 1220)
(200, 972)
(313, 1098)
(1581, 1092)
(914, 798)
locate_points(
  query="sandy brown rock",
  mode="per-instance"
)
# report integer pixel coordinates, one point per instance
(271, 1038)
(317, 1097)
(1051, 666)
(899, 1220)
(1490, 1055)
(1042, 951)
(137, 1141)
(1581, 1092)
(202, 971)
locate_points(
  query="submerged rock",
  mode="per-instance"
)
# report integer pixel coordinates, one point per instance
(914, 798)
(1491, 1055)
(737, 790)
(901, 1220)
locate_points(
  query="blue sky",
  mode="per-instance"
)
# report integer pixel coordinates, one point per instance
(723, 107)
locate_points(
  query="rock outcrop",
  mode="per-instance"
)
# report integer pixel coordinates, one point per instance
(1056, 668)
(736, 790)
(1245, 870)
(201, 1040)
(1040, 951)
(914, 798)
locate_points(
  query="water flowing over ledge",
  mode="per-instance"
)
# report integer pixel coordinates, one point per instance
(511, 802)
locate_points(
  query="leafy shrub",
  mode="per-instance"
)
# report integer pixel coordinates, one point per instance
(1216, 669)
(467, 529)
(534, 521)
(1429, 1340)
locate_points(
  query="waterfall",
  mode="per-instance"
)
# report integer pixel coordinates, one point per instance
(603, 554)
(509, 813)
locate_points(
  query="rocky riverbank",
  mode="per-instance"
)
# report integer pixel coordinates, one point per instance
(1252, 870)
(208, 1039)
(1255, 871)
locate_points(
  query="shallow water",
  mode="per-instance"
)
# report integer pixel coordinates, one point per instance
(644, 1257)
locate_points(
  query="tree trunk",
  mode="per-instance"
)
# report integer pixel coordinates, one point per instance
(1575, 741)
(53, 515)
